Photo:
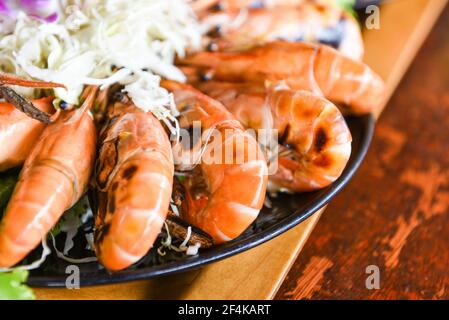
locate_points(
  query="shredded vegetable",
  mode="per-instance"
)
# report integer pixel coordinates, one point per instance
(101, 42)
(63, 255)
(190, 250)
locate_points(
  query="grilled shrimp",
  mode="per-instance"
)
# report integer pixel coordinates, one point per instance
(134, 176)
(315, 142)
(222, 197)
(53, 178)
(235, 30)
(18, 131)
(316, 68)
(201, 5)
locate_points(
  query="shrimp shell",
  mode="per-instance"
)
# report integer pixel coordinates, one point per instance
(134, 175)
(19, 133)
(235, 30)
(316, 68)
(201, 5)
(232, 193)
(318, 139)
(53, 178)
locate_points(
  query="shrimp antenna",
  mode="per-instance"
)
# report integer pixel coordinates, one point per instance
(24, 105)
(12, 80)
(19, 101)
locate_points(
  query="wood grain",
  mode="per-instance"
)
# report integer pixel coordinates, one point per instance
(395, 212)
(404, 24)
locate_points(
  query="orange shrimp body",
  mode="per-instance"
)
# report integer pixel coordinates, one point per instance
(200, 5)
(19, 133)
(318, 136)
(53, 178)
(318, 139)
(223, 197)
(234, 30)
(316, 68)
(134, 176)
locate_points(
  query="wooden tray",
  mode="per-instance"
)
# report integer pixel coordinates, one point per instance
(258, 273)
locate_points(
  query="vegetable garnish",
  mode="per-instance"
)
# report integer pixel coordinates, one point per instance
(70, 223)
(347, 5)
(100, 42)
(12, 286)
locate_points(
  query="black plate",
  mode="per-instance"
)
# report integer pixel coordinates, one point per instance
(287, 211)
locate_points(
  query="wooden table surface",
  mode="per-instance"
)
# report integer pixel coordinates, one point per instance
(395, 212)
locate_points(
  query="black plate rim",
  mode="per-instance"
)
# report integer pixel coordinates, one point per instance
(368, 122)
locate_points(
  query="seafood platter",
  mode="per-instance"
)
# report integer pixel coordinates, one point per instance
(149, 137)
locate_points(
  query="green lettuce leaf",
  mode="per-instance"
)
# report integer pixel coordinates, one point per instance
(12, 286)
(347, 5)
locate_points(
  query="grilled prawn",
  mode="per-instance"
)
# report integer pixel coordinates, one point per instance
(315, 142)
(53, 178)
(226, 191)
(134, 177)
(316, 68)
(235, 30)
(201, 5)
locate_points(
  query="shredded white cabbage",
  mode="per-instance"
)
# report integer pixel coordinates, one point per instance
(63, 256)
(72, 223)
(105, 41)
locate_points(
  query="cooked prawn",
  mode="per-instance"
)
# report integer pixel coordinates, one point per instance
(201, 5)
(235, 30)
(53, 178)
(316, 68)
(222, 197)
(315, 140)
(134, 175)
